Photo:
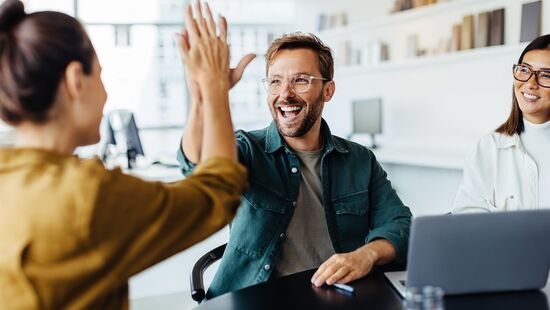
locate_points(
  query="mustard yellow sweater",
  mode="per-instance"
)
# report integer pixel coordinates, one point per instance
(72, 232)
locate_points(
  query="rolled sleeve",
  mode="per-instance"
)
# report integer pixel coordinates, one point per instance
(389, 218)
(396, 231)
(154, 220)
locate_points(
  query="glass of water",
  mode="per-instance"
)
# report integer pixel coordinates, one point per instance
(425, 298)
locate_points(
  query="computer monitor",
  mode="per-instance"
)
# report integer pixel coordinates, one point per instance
(107, 138)
(125, 132)
(367, 117)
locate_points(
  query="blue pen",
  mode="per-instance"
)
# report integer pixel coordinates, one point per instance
(344, 287)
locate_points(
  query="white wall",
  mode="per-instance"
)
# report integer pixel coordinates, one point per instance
(446, 103)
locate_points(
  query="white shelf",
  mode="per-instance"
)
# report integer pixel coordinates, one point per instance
(423, 62)
(411, 15)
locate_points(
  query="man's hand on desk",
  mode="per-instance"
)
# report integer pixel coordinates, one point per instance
(346, 267)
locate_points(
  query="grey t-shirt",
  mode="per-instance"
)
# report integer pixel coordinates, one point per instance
(307, 243)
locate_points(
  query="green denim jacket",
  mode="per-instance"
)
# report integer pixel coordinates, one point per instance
(360, 204)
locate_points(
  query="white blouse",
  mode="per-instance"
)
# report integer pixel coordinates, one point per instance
(502, 175)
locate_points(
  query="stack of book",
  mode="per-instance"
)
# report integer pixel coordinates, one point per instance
(328, 21)
(488, 31)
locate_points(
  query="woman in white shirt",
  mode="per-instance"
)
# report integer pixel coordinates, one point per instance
(510, 168)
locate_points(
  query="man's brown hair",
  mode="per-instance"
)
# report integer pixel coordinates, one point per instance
(298, 40)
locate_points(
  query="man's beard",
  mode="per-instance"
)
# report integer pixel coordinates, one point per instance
(312, 115)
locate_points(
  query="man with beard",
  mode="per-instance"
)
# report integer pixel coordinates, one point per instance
(314, 199)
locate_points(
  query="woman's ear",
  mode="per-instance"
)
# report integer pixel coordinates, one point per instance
(328, 91)
(74, 79)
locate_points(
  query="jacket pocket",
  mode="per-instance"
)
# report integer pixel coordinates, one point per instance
(259, 218)
(352, 220)
(356, 203)
(262, 197)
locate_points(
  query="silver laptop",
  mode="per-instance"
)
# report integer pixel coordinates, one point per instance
(475, 253)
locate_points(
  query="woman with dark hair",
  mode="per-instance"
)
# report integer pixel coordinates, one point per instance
(510, 168)
(72, 232)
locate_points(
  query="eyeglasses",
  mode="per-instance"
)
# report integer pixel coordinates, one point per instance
(523, 73)
(300, 83)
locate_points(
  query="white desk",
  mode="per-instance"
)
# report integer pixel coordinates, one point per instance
(443, 157)
(425, 177)
(157, 173)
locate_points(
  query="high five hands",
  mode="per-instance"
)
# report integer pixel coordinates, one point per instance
(205, 50)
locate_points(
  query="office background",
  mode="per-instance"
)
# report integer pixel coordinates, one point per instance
(438, 98)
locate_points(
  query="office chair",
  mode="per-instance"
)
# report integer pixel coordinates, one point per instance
(197, 286)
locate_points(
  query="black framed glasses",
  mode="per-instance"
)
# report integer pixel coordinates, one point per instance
(300, 83)
(523, 73)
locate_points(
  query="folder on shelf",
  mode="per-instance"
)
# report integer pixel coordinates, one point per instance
(482, 30)
(496, 27)
(467, 35)
(530, 21)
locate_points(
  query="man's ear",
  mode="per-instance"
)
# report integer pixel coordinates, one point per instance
(328, 91)
(74, 79)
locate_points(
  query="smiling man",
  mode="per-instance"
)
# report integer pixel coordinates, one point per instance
(315, 200)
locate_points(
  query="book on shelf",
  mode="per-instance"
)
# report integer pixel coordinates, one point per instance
(333, 20)
(344, 53)
(456, 37)
(342, 19)
(467, 33)
(419, 3)
(379, 52)
(482, 30)
(384, 52)
(496, 27)
(322, 22)
(402, 5)
(412, 45)
(530, 21)
(327, 21)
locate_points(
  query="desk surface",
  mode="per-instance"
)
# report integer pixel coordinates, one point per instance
(157, 173)
(372, 292)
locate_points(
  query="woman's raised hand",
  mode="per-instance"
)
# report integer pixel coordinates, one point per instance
(205, 52)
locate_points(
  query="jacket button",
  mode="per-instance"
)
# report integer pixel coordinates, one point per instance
(267, 267)
(294, 169)
(282, 235)
(294, 203)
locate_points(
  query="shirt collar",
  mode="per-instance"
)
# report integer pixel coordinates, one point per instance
(274, 141)
(504, 141)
